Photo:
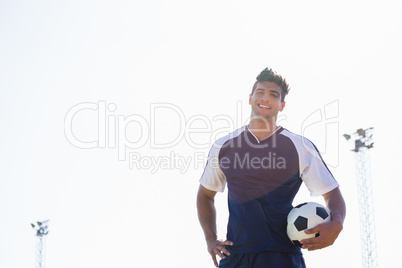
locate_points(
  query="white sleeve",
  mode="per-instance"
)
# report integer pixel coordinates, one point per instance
(213, 178)
(313, 170)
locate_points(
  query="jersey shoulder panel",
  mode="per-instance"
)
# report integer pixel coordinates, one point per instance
(213, 178)
(312, 168)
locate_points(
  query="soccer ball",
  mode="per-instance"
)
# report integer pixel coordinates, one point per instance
(305, 216)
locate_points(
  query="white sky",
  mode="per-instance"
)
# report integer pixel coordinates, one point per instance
(198, 60)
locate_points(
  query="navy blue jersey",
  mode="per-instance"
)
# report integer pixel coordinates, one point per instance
(263, 178)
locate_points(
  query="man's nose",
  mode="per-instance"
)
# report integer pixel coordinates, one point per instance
(265, 97)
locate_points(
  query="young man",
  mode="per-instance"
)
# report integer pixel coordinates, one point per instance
(263, 166)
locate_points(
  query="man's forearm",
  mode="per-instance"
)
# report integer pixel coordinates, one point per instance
(207, 216)
(336, 205)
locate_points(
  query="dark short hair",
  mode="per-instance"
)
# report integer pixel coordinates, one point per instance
(269, 75)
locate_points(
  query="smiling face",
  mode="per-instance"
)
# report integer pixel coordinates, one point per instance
(266, 101)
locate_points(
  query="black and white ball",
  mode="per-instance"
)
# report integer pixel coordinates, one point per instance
(305, 216)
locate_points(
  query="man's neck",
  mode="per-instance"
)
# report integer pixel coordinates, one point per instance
(262, 129)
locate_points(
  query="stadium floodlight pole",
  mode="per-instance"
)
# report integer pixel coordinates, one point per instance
(41, 231)
(363, 142)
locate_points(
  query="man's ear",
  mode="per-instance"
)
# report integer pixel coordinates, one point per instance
(249, 98)
(282, 106)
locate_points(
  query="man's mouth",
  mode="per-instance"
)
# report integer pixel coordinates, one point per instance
(262, 106)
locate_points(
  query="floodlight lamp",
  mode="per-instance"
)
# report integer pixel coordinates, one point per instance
(370, 145)
(361, 132)
(347, 136)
